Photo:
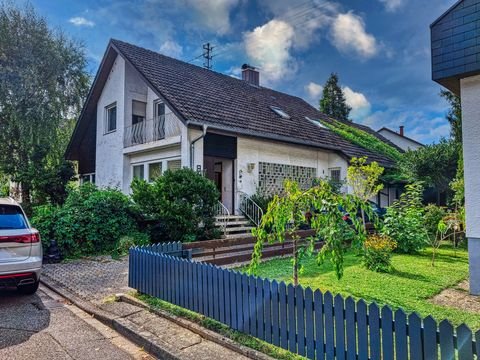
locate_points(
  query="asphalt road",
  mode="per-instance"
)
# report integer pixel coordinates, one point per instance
(46, 326)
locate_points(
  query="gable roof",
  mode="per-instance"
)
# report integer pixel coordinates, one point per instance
(401, 136)
(203, 97)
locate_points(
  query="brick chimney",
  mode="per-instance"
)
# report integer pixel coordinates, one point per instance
(401, 132)
(250, 75)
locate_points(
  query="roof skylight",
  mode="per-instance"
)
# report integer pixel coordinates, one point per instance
(316, 122)
(280, 112)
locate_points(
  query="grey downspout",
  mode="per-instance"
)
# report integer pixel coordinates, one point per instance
(192, 145)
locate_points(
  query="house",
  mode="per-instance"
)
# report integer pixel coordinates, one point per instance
(455, 39)
(146, 113)
(400, 139)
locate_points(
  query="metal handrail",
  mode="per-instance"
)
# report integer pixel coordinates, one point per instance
(222, 211)
(151, 130)
(250, 208)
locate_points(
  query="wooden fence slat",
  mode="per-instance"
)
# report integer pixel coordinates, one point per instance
(329, 326)
(292, 333)
(260, 311)
(415, 336)
(245, 304)
(401, 340)
(267, 295)
(477, 343)
(221, 296)
(226, 286)
(300, 315)
(239, 299)
(447, 350)
(210, 291)
(176, 281)
(374, 331)
(362, 328)
(252, 299)
(183, 283)
(309, 324)
(339, 327)
(275, 314)
(464, 343)
(387, 333)
(233, 301)
(282, 295)
(430, 347)
(156, 276)
(199, 292)
(205, 289)
(319, 325)
(351, 328)
(191, 289)
(215, 291)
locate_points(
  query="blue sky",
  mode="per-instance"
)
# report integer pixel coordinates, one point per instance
(379, 48)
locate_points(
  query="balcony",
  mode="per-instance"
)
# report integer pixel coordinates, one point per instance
(148, 131)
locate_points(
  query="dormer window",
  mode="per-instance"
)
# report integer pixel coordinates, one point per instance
(280, 112)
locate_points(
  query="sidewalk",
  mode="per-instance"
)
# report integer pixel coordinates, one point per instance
(90, 284)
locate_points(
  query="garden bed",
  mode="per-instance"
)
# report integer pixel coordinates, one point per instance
(410, 286)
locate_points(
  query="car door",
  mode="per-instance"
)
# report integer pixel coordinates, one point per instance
(16, 236)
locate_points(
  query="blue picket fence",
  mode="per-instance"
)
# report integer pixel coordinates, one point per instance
(306, 322)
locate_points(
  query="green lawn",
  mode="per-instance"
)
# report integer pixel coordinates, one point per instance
(410, 285)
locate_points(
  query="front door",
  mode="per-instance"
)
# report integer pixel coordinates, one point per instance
(220, 171)
(217, 171)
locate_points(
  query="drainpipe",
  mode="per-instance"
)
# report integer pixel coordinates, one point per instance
(192, 145)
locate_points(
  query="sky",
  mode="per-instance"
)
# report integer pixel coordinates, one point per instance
(379, 48)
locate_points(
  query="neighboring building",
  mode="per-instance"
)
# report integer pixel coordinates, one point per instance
(147, 113)
(455, 38)
(403, 142)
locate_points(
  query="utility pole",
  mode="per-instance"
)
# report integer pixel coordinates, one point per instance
(207, 56)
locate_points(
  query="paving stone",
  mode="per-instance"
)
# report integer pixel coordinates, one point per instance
(120, 308)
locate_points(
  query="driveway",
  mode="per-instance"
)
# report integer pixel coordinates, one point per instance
(45, 326)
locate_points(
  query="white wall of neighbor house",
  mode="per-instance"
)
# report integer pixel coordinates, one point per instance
(401, 141)
(109, 156)
(470, 95)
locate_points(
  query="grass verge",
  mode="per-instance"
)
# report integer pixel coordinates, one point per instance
(219, 328)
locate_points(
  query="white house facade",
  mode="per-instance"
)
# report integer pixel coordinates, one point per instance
(400, 139)
(138, 125)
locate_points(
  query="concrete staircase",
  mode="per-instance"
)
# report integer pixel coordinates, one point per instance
(233, 226)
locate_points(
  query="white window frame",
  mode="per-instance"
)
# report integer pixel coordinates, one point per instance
(106, 122)
(155, 104)
(146, 169)
(90, 178)
(339, 169)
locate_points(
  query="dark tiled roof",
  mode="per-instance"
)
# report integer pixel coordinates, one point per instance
(207, 97)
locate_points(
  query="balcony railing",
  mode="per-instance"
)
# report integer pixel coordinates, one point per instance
(148, 131)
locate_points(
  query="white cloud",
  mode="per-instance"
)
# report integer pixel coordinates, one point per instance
(268, 47)
(314, 90)
(392, 5)
(171, 48)
(348, 34)
(81, 21)
(214, 14)
(361, 107)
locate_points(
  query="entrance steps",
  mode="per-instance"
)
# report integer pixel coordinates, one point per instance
(234, 225)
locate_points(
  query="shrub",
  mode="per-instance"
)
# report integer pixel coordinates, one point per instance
(183, 201)
(378, 253)
(262, 200)
(404, 220)
(90, 222)
(432, 216)
(126, 242)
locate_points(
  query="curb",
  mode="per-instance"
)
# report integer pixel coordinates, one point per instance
(119, 324)
(198, 329)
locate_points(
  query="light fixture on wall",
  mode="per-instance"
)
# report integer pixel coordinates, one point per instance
(250, 167)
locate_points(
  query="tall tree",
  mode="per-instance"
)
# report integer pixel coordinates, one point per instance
(454, 115)
(333, 102)
(43, 82)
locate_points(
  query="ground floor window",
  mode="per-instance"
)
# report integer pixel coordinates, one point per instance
(271, 176)
(87, 178)
(151, 170)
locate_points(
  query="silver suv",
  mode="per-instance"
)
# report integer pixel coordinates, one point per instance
(20, 249)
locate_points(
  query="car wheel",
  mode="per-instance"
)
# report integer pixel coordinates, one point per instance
(28, 289)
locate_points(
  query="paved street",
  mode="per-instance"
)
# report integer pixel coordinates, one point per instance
(45, 326)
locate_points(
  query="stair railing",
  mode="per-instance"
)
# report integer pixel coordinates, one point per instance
(222, 213)
(250, 209)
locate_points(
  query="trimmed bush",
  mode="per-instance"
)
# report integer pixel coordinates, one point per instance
(182, 201)
(378, 253)
(90, 222)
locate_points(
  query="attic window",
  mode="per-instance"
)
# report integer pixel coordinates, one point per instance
(280, 112)
(316, 122)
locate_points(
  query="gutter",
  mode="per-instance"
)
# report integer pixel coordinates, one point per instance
(192, 145)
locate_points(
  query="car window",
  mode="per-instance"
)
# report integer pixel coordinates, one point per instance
(11, 217)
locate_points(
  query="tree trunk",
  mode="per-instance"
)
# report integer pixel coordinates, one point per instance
(363, 221)
(295, 261)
